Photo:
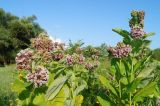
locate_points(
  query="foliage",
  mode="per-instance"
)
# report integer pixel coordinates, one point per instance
(156, 54)
(7, 76)
(15, 34)
(49, 75)
(133, 78)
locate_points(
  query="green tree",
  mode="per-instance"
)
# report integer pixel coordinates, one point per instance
(15, 34)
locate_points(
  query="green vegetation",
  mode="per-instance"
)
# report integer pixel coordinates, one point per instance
(15, 34)
(7, 76)
(47, 73)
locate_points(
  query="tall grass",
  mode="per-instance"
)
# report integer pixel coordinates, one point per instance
(7, 76)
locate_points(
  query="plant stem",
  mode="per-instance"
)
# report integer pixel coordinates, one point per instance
(131, 71)
(130, 99)
(134, 104)
(119, 89)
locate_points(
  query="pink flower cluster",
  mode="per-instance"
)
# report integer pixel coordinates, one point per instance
(89, 66)
(121, 50)
(42, 43)
(39, 77)
(92, 65)
(72, 59)
(80, 59)
(57, 56)
(44, 56)
(137, 32)
(24, 59)
(139, 19)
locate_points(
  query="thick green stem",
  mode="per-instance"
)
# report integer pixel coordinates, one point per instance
(130, 99)
(131, 79)
(134, 104)
(131, 72)
(32, 95)
(120, 89)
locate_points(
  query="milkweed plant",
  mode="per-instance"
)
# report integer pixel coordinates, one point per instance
(51, 74)
(48, 76)
(132, 71)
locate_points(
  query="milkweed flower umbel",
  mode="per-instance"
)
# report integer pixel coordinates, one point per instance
(139, 16)
(39, 77)
(70, 60)
(137, 32)
(89, 66)
(92, 65)
(24, 59)
(42, 43)
(57, 56)
(81, 59)
(121, 50)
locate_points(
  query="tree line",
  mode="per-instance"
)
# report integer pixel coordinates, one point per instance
(15, 34)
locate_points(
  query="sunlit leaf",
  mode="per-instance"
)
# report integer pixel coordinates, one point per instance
(107, 84)
(146, 91)
(55, 87)
(103, 102)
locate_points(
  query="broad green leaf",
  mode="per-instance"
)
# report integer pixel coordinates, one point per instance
(144, 92)
(124, 80)
(18, 86)
(23, 95)
(140, 63)
(121, 68)
(22, 102)
(69, 102)
(55, 87)
(59, 100)
(146, 72)
(149, 34)
(51, 78)
(39, 100)
(78, 100)
(61, 97)
(146, 42)
(79, 89)
(103, 102)
(123, 33)
(107, 84)
(132, 87)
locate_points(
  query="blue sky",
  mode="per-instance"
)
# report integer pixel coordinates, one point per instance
(88, 20)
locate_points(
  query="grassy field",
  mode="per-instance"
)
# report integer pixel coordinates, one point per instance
(7, 76)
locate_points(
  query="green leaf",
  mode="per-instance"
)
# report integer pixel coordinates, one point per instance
(55, 87)
(79, 89)
(24, 95)
(39, 100)
(141, 63)
(149, 34)
(78, 100)
(144, 92)
(59, 100)
(121, 68)
(51, 78)
(61, 97)
(103, 102)
(132, 87)
(18, 86)
(124, 80)
(107, 84)
(122, 32)
(146, 72)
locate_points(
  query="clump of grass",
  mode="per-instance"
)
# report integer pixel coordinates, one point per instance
(7, 76)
